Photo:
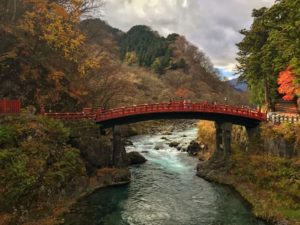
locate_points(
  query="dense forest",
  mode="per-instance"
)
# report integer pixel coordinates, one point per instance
(269, 54)
(142, 46)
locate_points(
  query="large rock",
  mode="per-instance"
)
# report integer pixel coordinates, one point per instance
(193, 148)
(109, 176)
(98, 153)
(95, 152)
(173, 144)
(135, 158)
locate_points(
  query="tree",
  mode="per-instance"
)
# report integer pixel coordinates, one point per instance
(288, 85)
(151, 50)
(131, 58)
(44, 51)
(271, 45)
(159, 65)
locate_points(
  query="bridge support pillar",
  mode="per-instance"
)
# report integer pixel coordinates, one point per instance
(219, 137)
(253, 137)
(118, 156)
(223, 137)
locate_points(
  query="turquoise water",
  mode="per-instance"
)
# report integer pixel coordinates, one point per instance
(164, 191)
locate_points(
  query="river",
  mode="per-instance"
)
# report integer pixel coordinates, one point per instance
(163, 191)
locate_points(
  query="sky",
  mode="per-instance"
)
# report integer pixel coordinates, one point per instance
(212, 25)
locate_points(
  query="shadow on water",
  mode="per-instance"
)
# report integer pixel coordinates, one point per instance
(102, 207)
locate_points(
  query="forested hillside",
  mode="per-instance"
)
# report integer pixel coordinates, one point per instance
(49, 56)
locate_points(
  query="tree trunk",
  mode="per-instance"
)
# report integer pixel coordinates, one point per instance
(270, 104)
(267, 99)
(298, 105)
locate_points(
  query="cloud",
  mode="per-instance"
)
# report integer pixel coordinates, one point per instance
(212, 25)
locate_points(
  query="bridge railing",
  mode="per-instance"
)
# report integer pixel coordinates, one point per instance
(9, 106)
(279, 118)
(178, 107)
(72, 116)
(102, 115)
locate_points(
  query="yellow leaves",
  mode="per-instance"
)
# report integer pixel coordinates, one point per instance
(88, 64)
(8, 55)
(284, 130)
(52, 23)
(28, 24)
(51, 52)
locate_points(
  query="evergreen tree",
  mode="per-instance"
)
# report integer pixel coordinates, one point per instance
(151, 49)
(270, 46)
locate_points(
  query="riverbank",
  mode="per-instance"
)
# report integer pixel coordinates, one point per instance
(46, 165)
(270, 183)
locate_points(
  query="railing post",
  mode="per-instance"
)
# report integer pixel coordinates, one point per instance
(4, 106)
(42, 110)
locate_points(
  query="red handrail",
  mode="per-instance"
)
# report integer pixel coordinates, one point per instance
(180, 107)
(104, 115)
(9, 106)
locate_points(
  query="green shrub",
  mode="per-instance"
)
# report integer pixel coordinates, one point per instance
(35, 160)
(6, 136)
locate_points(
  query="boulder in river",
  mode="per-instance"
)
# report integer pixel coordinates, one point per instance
(179, 148)
(127, 142)
(165, 138)
(135, 158)
(193, 148)
(173, 144)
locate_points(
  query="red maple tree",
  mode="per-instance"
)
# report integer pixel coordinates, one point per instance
(287, 86)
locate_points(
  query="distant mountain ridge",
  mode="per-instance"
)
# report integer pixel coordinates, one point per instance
(238, 85)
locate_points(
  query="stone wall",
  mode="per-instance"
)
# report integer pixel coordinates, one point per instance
(278, 140)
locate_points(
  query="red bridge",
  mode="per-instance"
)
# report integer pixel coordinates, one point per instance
(173, 110)
(9, 106)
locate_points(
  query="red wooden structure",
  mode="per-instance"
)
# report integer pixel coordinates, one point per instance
(9, 106)
(203, 107)
(181, 107)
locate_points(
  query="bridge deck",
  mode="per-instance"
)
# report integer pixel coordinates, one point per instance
(180, 107)
(102, 116)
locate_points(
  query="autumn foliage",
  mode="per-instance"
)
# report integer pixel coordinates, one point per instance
(182, 92)
(287, 84)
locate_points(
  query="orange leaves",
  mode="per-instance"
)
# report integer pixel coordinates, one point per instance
(287, 85)
(56, 76)
(182, 92)
(53, 24)
(59, 10)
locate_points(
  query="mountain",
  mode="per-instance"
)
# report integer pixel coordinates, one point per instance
(238, 85)
(140, 66)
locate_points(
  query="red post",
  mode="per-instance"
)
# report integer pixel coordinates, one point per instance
(42, 110)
